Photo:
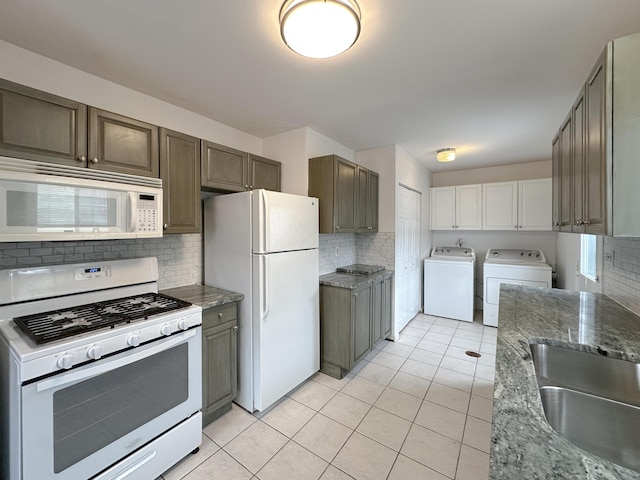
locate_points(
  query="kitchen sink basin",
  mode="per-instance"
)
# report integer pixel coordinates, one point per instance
(587, 372)
(603, 427)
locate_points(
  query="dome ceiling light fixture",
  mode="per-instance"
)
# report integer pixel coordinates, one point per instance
(446, 154)
(320, 28)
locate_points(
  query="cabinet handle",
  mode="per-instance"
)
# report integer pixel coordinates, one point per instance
(246, 187)
(220, 315)
(337, 227)
(250, 187)
(81, 158)
(165, 226)
(235, 328)
(94, 160)
(519, 226)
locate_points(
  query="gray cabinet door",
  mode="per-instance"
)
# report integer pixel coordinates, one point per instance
(219, 361)
(180, 174)
(121, 144)
(35, 125)
(367, 201)
(557, 180)
(264, 173)
(566, 175)
(577, 163)
(386, 315)
(372, 200)
(595, 154)
(224, 169)
(376, 312)
(345, 196)
(361, 324)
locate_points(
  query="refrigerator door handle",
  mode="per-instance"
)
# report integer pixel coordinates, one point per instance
(265, 221)
(265, 287)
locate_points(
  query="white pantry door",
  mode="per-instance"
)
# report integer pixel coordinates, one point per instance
(408, 257)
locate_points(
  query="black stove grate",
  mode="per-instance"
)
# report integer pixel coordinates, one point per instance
(55, 325)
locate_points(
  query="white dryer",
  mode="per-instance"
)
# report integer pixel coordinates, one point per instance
(449, 283)
(519, 267)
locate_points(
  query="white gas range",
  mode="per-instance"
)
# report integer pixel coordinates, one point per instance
(101, 375)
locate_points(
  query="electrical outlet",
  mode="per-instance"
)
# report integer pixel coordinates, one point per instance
(608, 256)
(337, 253)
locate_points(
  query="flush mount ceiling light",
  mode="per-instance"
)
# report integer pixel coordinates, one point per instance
(446, 154)
(319, 28)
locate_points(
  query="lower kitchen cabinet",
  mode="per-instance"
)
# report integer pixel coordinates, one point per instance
(219, 360)
(352, 321)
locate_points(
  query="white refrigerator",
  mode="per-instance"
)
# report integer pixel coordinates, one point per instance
(264, 245)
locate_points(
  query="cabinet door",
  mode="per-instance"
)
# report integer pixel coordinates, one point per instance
(469, 207)
(345, 196)
(577, 162)
(566, 176)
(362, 200)
(535, 204)
(361, 324)
(500, 206)
(386, 316)
(443, 208)
(557, 181)
(372, 201)
(376, 312)
(224, 169)
(180, 173)
(121, 144)
(264, 173)
(219, 367)
(35, 125)
(595, 152)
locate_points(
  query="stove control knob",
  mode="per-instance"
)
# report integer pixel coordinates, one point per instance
(95, 352)
(183, 324)
(165, 329)
(134, 339)
(66, 361)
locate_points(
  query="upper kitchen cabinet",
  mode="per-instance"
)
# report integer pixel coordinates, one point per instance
(603, 151)
(264, 173)
(122, 144)
(458, 207)
(367, 200)
(180, 174)
(35, 125)
(334, 181)
(225, 169)
(518, 205)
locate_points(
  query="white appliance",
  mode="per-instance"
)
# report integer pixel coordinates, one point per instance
(264, 245)
(101, 375)
(46, 201)
(519, 267)
(449, 283)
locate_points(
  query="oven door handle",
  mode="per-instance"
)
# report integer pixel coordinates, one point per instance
(107, 364)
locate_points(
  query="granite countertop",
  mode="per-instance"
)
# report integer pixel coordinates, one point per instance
(347, 280)
(203, 295)
(523, 444)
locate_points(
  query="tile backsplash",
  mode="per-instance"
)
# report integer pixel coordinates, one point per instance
(621, 273)
(344, 249)
(179, 256)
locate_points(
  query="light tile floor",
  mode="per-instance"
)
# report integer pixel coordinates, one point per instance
(418, 408)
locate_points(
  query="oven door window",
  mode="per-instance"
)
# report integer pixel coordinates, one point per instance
(89, 415)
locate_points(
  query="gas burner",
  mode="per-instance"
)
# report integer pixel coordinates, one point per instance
(50, 326)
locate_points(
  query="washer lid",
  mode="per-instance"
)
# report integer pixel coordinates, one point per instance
(510, 255)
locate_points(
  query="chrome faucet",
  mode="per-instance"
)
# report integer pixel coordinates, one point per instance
(460, 242)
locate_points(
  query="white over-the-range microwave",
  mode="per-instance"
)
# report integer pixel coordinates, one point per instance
(51, 202)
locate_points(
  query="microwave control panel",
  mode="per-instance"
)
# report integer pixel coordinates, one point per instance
(147, 213)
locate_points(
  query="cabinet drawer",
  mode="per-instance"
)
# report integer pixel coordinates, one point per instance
(217, 315)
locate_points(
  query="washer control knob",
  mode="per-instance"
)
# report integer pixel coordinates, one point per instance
(165, 329)
(134, 339)
(66, 361)
(183, 324)
(95, 352)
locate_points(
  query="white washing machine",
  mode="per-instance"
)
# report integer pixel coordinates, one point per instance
(520, 267)
(449, 283)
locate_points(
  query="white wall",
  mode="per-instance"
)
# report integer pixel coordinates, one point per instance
(290, 148)
(27, 68)
(503, 173)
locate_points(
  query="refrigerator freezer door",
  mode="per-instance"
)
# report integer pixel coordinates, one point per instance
(286, 326)
(283, 222)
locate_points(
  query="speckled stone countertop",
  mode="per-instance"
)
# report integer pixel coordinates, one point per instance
(346, 280)
(523, 444)
(203, 295)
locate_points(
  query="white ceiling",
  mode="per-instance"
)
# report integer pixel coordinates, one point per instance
(493, 78)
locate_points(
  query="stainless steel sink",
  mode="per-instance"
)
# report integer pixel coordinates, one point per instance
(606, 428)
(587, 372)
(591, 400)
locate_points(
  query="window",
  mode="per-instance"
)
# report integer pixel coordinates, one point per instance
(589, 257)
